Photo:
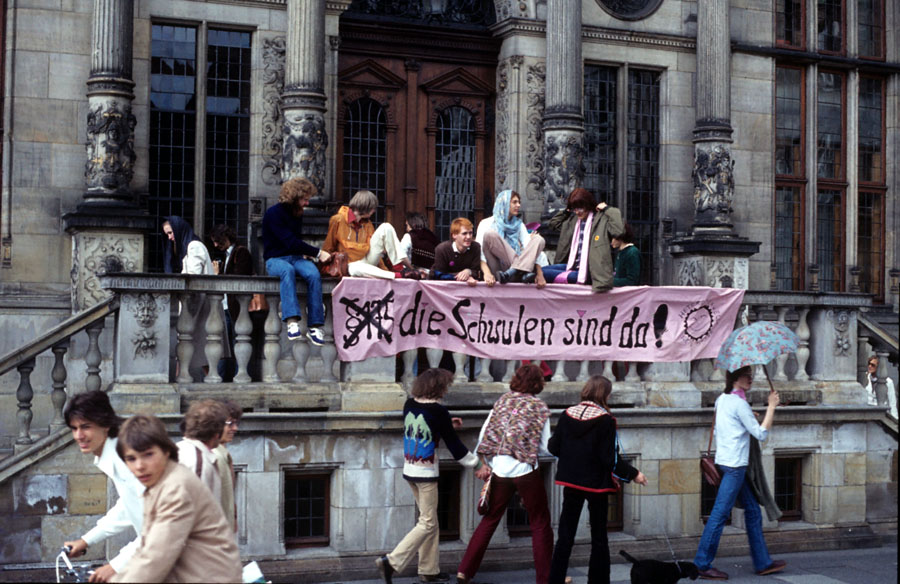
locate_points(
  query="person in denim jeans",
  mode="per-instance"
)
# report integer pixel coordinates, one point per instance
(735, 423)
(287, 256)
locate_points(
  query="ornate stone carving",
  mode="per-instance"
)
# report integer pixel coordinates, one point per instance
(713, 176)
(503, 126)
(272, 121)
(841, 321)
(535, 79)
(110, 146)
(448, 12)
(305, 142)
(145, 308)
(720, 272)
(630, 9)
(96, 255)
(565, 170)
(690, 272)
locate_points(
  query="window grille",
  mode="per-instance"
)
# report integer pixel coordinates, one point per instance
(365, 152)
(600, 128)
(454, 168)
(829, 239)
(306, 506)
(642, 178)
(788, 487)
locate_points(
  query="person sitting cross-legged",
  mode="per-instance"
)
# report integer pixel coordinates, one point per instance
(287, 256)
(460, 258)
(508, 252)
(350, 231)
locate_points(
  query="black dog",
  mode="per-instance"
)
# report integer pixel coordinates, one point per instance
(656, 572)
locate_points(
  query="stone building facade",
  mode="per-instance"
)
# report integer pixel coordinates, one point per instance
(747, 143)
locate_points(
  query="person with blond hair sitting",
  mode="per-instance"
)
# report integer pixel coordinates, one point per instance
(350, 231)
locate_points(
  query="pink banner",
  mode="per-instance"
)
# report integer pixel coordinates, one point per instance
(380, 318)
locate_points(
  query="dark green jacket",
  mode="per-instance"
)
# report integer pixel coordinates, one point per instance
(628, 267)
(607, 224)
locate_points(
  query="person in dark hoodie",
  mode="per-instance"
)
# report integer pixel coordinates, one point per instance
(589, 467)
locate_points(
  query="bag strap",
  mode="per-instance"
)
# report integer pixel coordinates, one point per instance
(711, 428)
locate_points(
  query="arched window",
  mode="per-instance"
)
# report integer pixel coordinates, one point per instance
(454, 168)
(365, 151)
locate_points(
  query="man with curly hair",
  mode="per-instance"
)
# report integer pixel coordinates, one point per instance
(203, 425)
(287, 256)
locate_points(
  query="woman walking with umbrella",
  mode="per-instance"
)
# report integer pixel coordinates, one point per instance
(734, 424)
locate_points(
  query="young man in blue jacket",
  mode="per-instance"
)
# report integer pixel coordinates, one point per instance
(287, 256)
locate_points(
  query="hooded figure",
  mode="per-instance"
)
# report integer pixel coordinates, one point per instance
(186, 254)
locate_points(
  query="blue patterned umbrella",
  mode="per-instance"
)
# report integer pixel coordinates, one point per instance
(756, 344)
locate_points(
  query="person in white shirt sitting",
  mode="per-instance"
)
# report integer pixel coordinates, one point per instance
(203, 425)
(95, 426)
(508, 252)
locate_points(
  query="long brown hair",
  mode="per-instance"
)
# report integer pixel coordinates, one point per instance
(597, 390)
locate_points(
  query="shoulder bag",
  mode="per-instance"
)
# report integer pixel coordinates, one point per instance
(708, 462)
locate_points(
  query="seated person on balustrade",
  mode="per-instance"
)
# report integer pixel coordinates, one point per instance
(350, 231)
(460, 258)
(418, 242)
(287, 256)
(508, 252)
(584, 242)
(628, 259)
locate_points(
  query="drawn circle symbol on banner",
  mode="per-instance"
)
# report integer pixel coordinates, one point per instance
(698, 322)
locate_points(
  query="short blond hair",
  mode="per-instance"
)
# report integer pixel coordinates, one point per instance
(363, 202)
(296, 189)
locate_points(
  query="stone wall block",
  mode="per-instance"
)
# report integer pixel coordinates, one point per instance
(263, 521)
(855, 469)
(286, 449)
(70, 32)
(20, 540)
(67, 170)
(402, 494)
(851, 504)
(679, 476)
(352, 526)
(57, 529)
(366, 488)
(386, 526)
(80, 6)
(691, 524)
(659, 512)
(650, 468)
(850, 438)
(45, 120)
(31, 165)
(40, 494)
(87, 494)
(68, 71)
(832, 470)
(249, 450)
(34, 84)
(651, 443)
(878, 440)
(878, 467)
(881, 502)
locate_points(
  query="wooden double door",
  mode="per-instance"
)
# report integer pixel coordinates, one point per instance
(415, 122)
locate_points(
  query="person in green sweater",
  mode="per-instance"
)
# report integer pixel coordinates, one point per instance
(628, 259)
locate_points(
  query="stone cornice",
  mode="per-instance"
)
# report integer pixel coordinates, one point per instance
(639, 39)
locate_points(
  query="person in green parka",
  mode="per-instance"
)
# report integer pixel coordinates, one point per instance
(583, 252)
(628, 259)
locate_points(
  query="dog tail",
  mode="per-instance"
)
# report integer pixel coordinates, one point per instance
(628, 557)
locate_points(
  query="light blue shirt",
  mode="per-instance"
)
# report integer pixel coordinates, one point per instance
(735, 423)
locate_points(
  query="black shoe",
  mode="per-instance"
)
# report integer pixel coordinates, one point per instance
(504, 276)
(385, 570)
(529, 278)
(439, 577)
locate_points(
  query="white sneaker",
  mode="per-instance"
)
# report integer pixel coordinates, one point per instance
(316, 336)
(293, 331)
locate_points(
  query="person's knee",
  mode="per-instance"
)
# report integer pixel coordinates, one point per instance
(492, 236)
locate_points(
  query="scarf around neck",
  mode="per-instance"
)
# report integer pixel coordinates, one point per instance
(506, 227)
(585, 227)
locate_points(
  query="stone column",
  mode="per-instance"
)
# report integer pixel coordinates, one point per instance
(107, 226)
(563, 121)
(713, 167)
(303, 99)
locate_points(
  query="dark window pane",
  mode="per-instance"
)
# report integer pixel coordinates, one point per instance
(788, 488)
(829, 239)
(870, 243)
(789, 122)
(305, 508)
(642, 174)
(870, 27)
(788, 238)
(830, 139)
(830, 20)
(365, 151)
(871, 124)
(789, 22)
(600, 131)
(454, 168)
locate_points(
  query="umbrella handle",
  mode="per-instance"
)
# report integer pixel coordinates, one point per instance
(766, 371)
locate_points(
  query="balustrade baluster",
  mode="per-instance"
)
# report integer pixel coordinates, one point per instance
(58, 375)
(272, 346)
(607, 371)
(409, 359)
(780, 374)
(560, 373)
(484, 376)
(93, 358)
(434, 357)
(508, 372)
(213, 349)
(301, 349)
(803, 351)
(632, 375)
(243, 328)
(184, 329)
(880, 384)
(459, 362)
(717, 374)
(584, 373)
(328, 351)
(24, 395)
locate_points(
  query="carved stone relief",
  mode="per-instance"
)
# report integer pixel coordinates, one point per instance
(713, 176)
(690, 272)
(96, 255)
(720, 272)
(503, 125)
(841, 321)
(273, 119)
(110, 146)
(305, 142)
(741, 273)
(565, 170)
(535, 80)
(145, 308)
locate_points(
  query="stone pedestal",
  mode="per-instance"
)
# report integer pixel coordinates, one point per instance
(713, 262)
(143, 340)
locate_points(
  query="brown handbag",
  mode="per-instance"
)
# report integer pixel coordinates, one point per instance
(337, 266)
(708, 462)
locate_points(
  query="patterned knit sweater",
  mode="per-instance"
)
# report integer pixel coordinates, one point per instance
(515, 427)
(424, 424)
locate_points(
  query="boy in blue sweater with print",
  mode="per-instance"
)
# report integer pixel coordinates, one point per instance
(425, 423)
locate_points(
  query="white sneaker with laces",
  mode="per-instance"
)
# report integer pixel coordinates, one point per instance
(293, 331)
(316, 336)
